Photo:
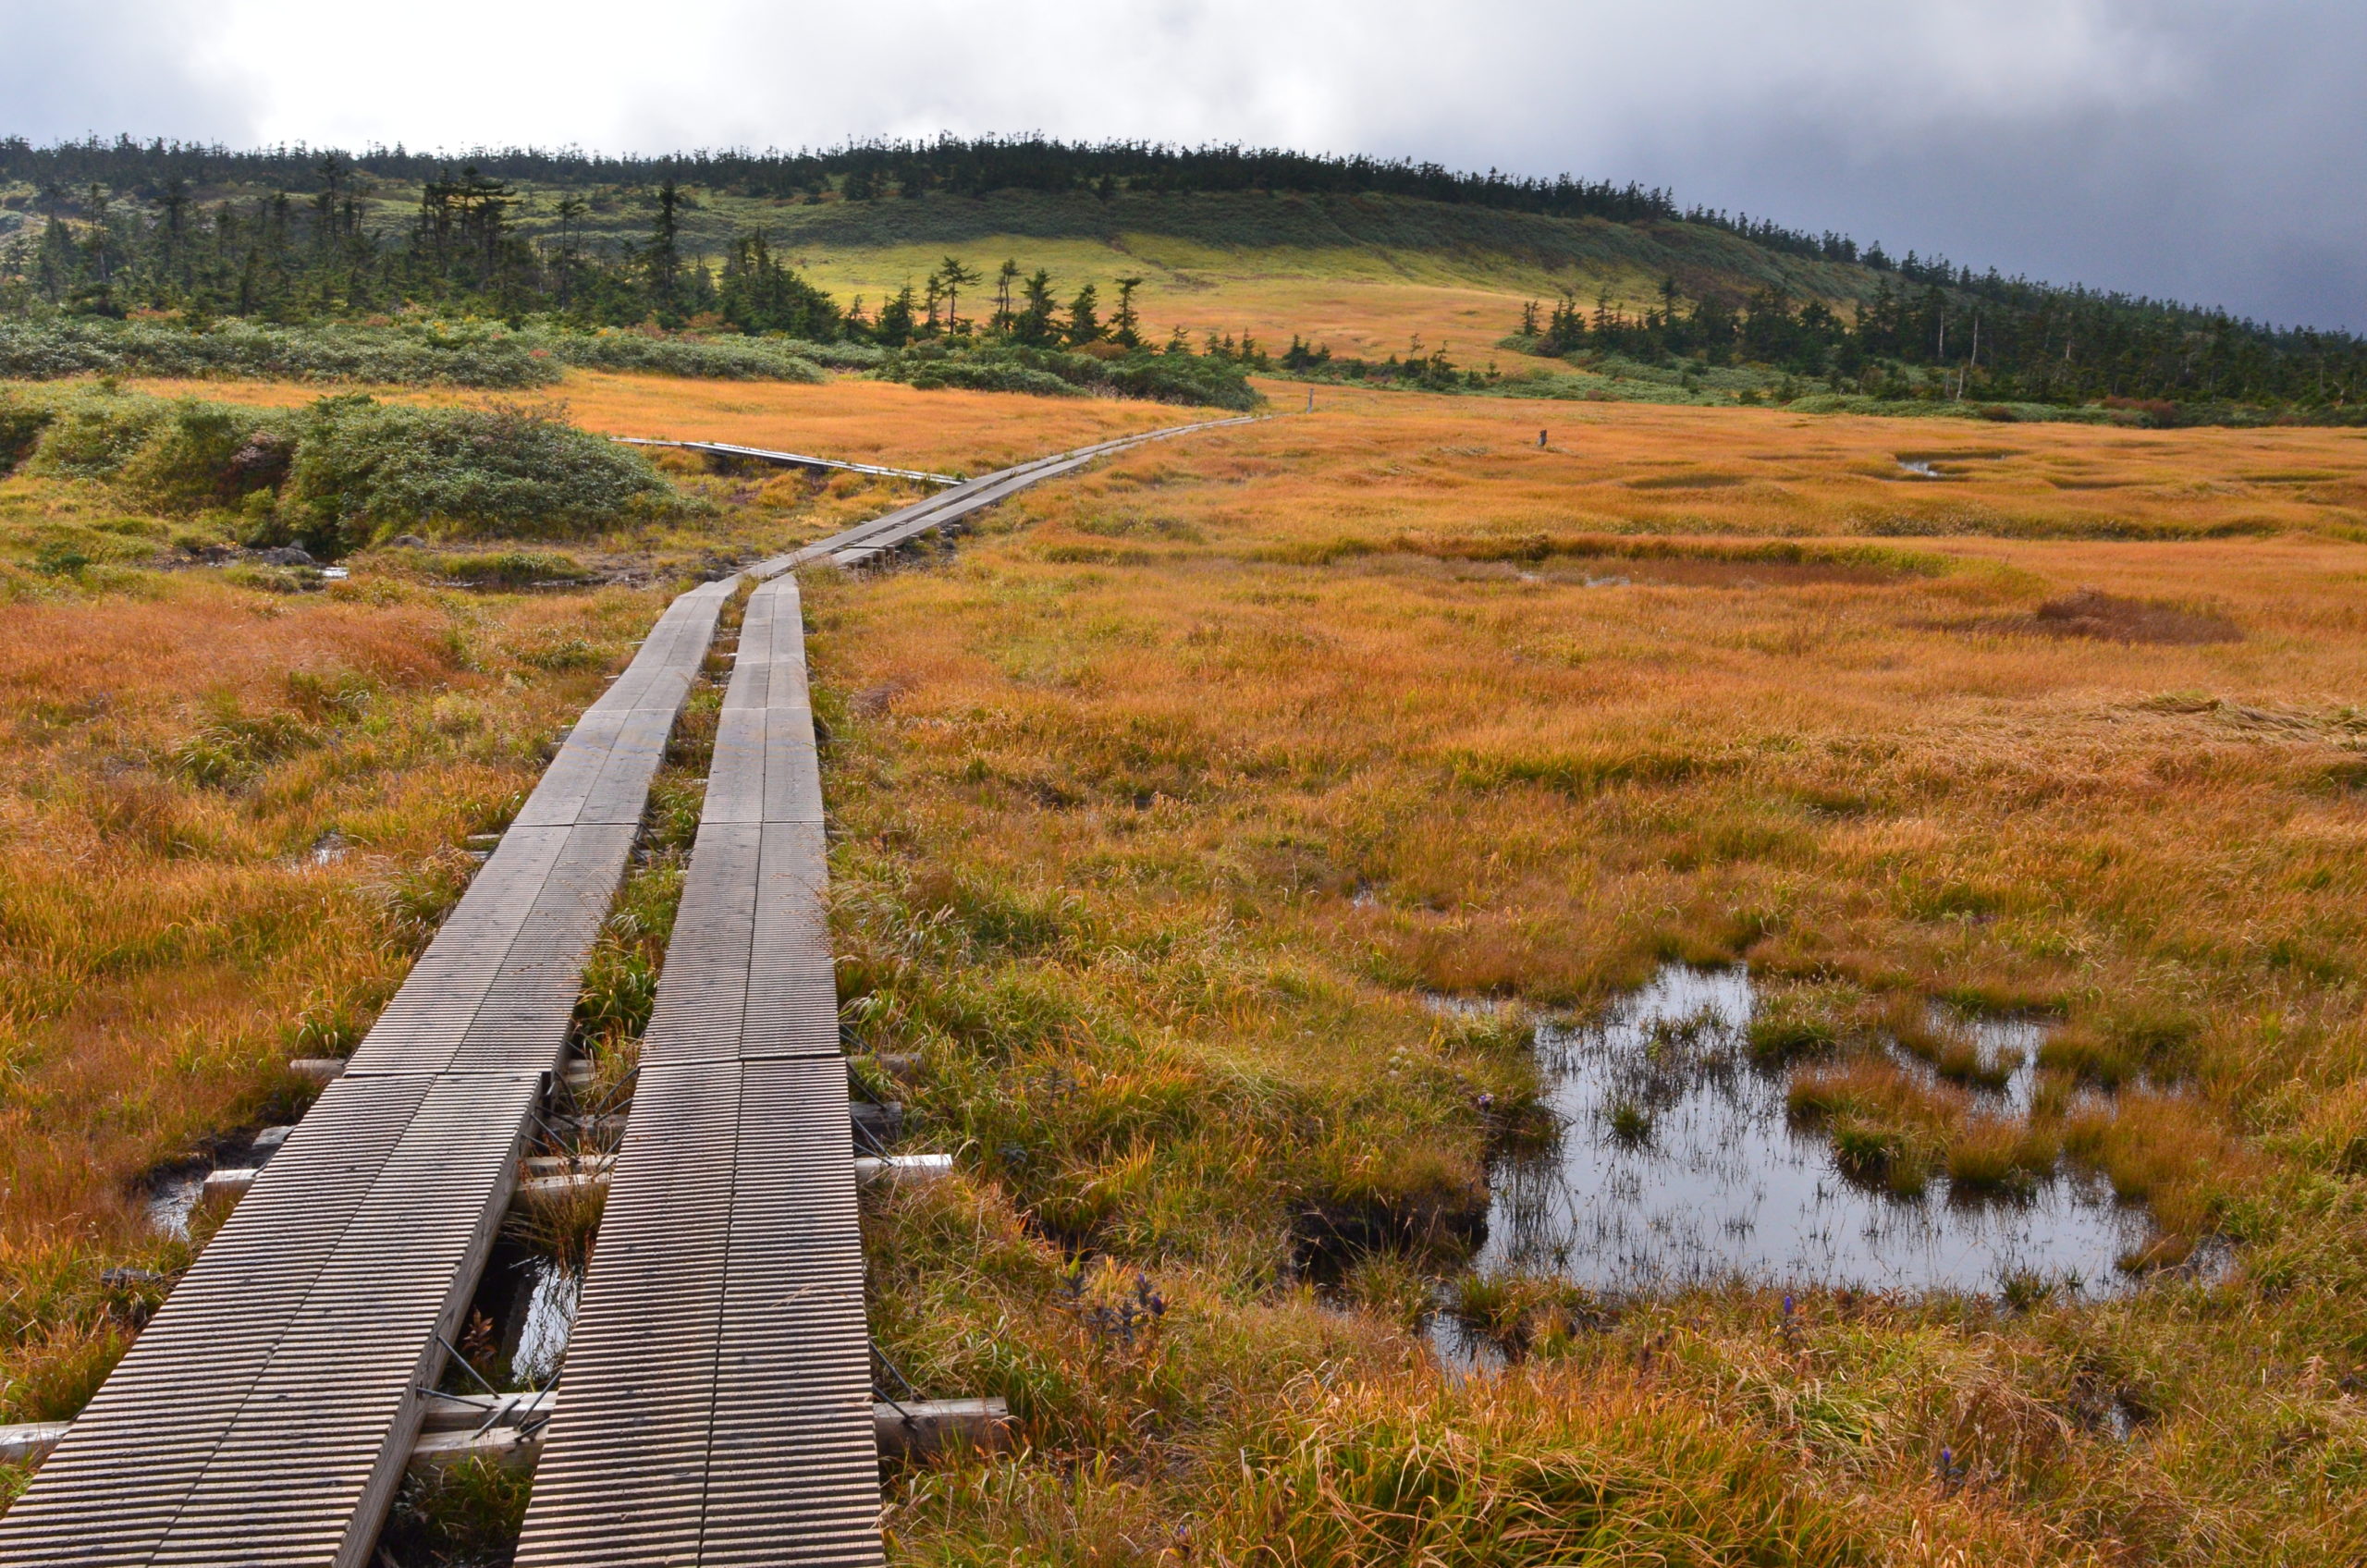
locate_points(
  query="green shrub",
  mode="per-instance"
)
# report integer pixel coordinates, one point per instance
(205, 454)
(92, 435)
(22, 425)
(1004, 367)
(837, 356)
(476, 354)
(745, 359)
(350, 466)
(361, 465)
(59, 560)
(987, 376)
(1173, 378)
(466, 356)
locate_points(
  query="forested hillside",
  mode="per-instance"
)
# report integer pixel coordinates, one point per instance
(734, 243)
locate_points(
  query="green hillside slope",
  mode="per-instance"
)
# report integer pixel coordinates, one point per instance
(1365, 259)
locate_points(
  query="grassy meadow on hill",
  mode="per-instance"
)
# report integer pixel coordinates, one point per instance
(1170, 802)
(1273, 267)
(1073, 262)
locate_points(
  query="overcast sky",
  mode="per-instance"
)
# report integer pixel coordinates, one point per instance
(2212, 149)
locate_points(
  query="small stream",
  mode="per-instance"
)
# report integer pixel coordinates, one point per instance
(1721, 1186)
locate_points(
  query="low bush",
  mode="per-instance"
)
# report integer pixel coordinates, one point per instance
(332, 476)
(205, 455)
(428, 355)
(181, 456)
(362, 466)
(93, 435)
(982, 373)
(486, 355)
(1002, 367)
(1174, 378)
(740, 359)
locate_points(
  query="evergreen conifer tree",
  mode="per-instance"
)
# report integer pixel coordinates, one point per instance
(1085, 318)
(955, 275)
(1125, 326)
(1005, 275)
(1035, 323)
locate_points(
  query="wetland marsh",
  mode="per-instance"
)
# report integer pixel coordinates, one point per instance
(1162, 802)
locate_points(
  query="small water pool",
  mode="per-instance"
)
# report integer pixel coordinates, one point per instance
(172, 1200)
(544, 1320)
(1723, 1187)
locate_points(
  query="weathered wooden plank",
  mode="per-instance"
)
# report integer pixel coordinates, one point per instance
(351, 1254)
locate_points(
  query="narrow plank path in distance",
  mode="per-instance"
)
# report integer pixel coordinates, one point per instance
(866, 540)
(792, 460)
(265, 1414)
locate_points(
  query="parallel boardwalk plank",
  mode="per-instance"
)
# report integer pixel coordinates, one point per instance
(721, 1328)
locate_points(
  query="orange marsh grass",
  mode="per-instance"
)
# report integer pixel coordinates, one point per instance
(229, 818)
(1156, 808)
(1276, 788)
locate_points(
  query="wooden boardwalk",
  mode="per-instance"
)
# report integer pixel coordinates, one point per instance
(719, 1347)
(265, 1414)
(718, 1407)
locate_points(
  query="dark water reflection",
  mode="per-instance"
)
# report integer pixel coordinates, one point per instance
(537, 1340)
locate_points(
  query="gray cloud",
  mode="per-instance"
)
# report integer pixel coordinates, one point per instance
(2180, 147)
(2211, 156)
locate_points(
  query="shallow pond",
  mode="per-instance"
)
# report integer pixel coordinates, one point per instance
(1717, 1184)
